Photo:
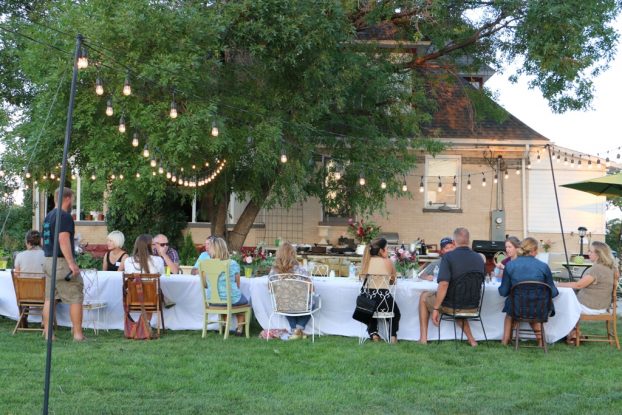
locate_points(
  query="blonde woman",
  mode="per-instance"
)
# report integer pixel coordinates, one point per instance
(113, 260)
(286, 263)
(522, 269)
(596, 286)
(376, 262)
(218, 250)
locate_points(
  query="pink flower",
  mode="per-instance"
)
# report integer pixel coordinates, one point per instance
(248, 259)
(400, 251)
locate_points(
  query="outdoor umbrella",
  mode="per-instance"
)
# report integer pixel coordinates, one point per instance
(600, 186)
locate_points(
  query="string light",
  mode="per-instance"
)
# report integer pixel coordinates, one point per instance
(579, 163)
(572, 165)
(160, 169)
(52, 176)
(565, 160)
(120, 177)
(153, 162)
(135, 140)
(173, 112)
(440, 185)
(483, 180)
(404, 186)
(112, 176)
(93, 177)
(28, 175)
(495, 179)
(174, 178)
(517, 171)
(538, 159)
(168, 174)
(127, 88)
(558, 157)
(529, 163)
(506, 175)
(137, 175)
(122, 124)
(383, 184)
(214, 129)
(207, 164)
(454, 185)
(589, 163)
(99, 86)
(469, 183)
(421, 185)
(607, 162)
(109, 110)
(598, 163)
(83, 58)
(362, 179)
(283, 155)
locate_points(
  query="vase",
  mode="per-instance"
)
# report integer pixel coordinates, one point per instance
(543, 256)
(248, 272)
(360, 249)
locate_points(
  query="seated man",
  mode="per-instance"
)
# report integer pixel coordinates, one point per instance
(453, 264)
(204, 255)
(447, 245)
(166, 252)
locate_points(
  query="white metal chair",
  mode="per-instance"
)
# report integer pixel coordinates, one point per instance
(93, 304)
(383, 288)
(292, 295)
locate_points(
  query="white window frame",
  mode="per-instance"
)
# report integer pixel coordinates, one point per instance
(427, 177)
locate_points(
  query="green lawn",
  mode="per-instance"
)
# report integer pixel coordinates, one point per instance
(184, 374)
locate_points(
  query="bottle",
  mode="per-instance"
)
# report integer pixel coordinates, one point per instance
(424, 248)
(436, 268)
(403, 247)
(352, 270)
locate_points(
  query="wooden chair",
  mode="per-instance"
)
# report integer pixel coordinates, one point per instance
(531, 302)
(610, 320)
(152, 295)
(30, 295)
(211, 271)
(463, 301)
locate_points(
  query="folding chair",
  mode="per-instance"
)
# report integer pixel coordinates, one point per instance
(610, 318)
(382, 288)
(30, 295)
(211, 271)
(151, 297)
(292, 295)
(463, 302)
(530, 302)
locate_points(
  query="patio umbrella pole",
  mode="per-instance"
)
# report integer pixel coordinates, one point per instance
(559, 213)
(63, 173)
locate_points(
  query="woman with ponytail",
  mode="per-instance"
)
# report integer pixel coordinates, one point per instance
(522, 269)
(376, 262)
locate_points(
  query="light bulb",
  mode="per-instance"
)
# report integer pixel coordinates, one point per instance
(73, 176)
(207, 164)
(93, 177)
(194, 167)
(440, 187)
(109, 110)
(153, 163)
(558, 158)
(469, 185)
(168, 175)
(283, 157)
(173, 112)
(174, 178)
(28, 175)
(383, 185)
(112, 176)
(565, 161)
(362, 180)
(589, 164)
(483, 182)
(153, 173)
(404, 187)
(506, 175)
(138, 175)
(120, 177)
(421, 186)
(135, 140)
(122, 124)
(454, 186)
(538, 159)
(83, 59)
(517, 171)
(99, 87)
(214, 130)
(145, 152)
(496, 179)
(337, 176)
(529, 164)
(52, 176)
(127, 89)
(572, 163)
(160, 169)
(607, 163)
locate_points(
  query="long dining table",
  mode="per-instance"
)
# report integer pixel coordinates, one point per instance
(338, 296)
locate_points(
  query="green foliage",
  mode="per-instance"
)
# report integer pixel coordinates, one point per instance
(613, 237)
(187, 251)
(18, 223)
(88, 261)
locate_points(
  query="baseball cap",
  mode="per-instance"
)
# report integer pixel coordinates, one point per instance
(446, 241)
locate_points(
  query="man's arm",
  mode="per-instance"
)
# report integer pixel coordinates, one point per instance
(167, 259)
(440, 296)
(65, 247)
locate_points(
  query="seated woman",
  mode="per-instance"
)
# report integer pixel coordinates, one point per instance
(286, 263)
(524, 268)
(30, 260)
(596, 286)
(511, 249)
(142, 261)
(113, 259)
(376, 262)
(218, 250)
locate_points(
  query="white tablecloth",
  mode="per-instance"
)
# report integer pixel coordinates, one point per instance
(184, 290)
(339, 297)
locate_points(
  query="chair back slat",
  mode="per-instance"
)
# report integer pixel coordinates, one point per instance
(290, 293)
(29, 287)
(531, 301)
(465, 292)
(211, 270)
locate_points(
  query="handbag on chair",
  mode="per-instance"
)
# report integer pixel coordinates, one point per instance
(365, 306)
(141, 329)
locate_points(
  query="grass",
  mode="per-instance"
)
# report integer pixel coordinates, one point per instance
(184, 374)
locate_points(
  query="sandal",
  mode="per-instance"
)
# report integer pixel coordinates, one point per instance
(374, 337)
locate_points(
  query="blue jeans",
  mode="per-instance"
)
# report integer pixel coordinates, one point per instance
(298, 322)
(241, 301)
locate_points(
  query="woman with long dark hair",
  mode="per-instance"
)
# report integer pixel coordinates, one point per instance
(142, 260)
(376, 264)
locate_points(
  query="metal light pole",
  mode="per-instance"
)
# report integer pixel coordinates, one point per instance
(582, 232)
(63, 174)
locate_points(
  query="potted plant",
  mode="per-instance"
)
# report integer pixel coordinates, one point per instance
(363, 233)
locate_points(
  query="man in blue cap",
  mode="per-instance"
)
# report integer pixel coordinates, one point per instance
(447, 245)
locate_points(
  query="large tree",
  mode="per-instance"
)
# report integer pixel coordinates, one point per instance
(297, 77)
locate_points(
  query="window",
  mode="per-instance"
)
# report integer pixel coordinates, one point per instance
(445, 170)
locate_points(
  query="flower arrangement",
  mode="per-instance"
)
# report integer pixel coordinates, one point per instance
(404, 261)
(546, 245)
(363, 232)
(255, 259)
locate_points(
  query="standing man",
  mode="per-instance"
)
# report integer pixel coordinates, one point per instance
(69, 285)
(453, 265)
(168, 254)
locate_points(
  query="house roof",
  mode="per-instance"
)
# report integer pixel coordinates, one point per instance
(462, 111)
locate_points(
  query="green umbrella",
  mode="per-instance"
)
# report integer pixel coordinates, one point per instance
(600, 186)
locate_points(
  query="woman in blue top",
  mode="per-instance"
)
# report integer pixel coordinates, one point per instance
(218, 250)
(524, 268)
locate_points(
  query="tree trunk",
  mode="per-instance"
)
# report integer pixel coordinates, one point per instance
(217, 213)
(238, 235)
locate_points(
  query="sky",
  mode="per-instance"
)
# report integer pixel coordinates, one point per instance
(593, 131)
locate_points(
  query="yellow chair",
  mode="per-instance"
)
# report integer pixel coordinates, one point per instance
(210, 271)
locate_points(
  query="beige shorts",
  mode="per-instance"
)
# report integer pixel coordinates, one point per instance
(431, 299)
(69, 292)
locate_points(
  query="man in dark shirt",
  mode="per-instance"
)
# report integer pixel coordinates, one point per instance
(69, 292)
(454, 264)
